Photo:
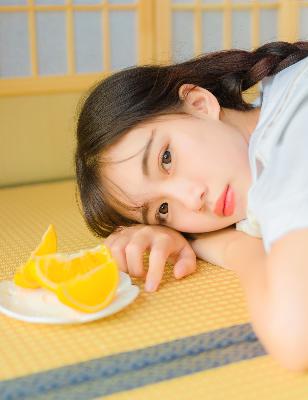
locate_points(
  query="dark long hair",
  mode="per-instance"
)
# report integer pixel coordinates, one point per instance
(135, 95)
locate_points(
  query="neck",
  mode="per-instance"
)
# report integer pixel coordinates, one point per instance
(244, 121)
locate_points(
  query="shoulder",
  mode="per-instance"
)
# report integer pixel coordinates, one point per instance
(277, 86)
(287, 282)
(291, 71)
(287, 262)
(290, 247)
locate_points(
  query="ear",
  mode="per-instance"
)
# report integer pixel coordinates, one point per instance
(198, 101)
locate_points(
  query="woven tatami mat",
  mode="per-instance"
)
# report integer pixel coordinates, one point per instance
(189, 340)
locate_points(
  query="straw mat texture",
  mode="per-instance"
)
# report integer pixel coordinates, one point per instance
(189, 340)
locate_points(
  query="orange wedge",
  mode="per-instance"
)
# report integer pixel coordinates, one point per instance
(47, 245)
(52, 269)
(86, 280)
(91, 291)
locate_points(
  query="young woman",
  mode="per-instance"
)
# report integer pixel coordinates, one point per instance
(171, 159)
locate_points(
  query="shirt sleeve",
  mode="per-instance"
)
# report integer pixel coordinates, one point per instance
(283, 194)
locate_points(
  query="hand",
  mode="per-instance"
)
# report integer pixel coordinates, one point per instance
(213, 246)
(128, 244)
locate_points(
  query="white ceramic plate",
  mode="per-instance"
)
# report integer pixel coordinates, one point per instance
(42, 306)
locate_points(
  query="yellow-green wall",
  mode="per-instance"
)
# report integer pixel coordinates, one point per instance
(37, 137)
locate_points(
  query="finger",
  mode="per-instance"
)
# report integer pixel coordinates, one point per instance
(110, 239)
(117, 249)
(157, 261)
(134, 255)
(108, 243)
(186, 263)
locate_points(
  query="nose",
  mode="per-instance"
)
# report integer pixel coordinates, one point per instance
(191, 194)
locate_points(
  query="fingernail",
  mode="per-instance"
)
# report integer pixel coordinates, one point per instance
(150, 286)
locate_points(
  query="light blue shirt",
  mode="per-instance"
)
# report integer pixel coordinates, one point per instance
(277, 201)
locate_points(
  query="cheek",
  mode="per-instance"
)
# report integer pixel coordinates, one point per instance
(198, 224)
(184, 220)
(191, 158)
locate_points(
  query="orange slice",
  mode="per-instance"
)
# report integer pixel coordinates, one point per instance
(91, 291)
(47, 245)
(52, 269)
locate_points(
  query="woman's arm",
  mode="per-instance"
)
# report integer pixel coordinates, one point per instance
(242, 248)
(211, 246)
(247, 258)
(275, 285)
(287, 275)
(245, 255)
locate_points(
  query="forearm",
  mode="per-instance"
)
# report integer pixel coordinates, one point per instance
(211, 246)
(228, 248)
(276, 296)
(275, 289)
(246, 257)
(287, 271)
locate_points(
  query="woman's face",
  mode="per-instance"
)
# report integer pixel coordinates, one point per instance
(191, 161)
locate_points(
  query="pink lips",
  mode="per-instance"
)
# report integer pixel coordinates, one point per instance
(219, 207)
(229, 203)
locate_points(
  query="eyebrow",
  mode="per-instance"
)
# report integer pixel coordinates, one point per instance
(146, 154)
(145, 171)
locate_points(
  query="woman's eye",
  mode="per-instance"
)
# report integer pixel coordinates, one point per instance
(163, 209)
(166, 157)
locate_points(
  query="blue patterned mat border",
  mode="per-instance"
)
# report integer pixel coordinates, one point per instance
(137, 368)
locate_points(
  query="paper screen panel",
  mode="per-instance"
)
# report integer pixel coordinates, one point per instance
(51, 43)
(249, 2)
(14, 45)
(212, 1)
(13, 2)
(123, 38)
(303, 23)
(88, 41)
(268, 25)
(183, 1)
(86, 2)
(122, 1)
(241, 32)
(182, 35)
(212, 30)
(49, 2)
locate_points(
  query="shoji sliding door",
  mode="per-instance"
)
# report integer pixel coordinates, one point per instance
(62, 45)
(52, 51)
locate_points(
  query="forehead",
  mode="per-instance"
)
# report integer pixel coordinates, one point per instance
(121, 170)
(136, 138)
